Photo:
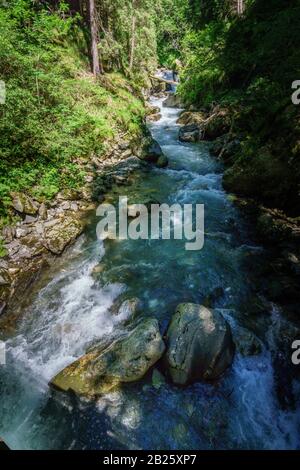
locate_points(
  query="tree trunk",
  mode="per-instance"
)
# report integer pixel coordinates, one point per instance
(132, 42)
(240, 7)
(97, 66)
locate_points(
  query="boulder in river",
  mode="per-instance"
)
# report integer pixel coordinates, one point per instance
(154, 152)
(162, 162)
(173, 101)
(190, 133)
(199, 345)
(105, 368)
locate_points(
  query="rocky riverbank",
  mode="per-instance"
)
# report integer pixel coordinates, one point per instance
(45, 230)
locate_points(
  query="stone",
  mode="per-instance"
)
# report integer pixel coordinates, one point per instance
(162, 162)
(158, 380)
(29, 219)
(129, 309)
(106, 368)
(24, 204)
(154, 152)
(4, 277)
(190, 133)
(199, 345)
(68, 195)
(173, 101)
(189, 118)
(8, 233)
(60, 233)
(43, 211)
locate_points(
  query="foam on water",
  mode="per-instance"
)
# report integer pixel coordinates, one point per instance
(69, 314)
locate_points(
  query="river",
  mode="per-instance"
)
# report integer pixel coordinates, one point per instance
(72, 310)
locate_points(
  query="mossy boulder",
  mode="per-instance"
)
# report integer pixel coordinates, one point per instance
(199, 345)
(24, 204)
(162, 162)
(217, 124)
(59, 233)
(106, 368)
(190, 133)
(187, 118)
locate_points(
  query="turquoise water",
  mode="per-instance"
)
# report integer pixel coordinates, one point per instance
(72, 311)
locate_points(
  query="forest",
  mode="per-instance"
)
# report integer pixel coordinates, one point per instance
(46, 56)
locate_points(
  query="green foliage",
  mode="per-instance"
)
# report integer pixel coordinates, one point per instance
(56, 115)
(249, 64)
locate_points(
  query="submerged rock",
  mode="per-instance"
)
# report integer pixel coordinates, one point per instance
(199, 344)
(105, 368)
(154, 152)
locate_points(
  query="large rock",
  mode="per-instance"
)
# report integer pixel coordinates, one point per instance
(218, 123)
(192, 117)
(190, 133)
(173, 101)
(199, 345)
(24, 204)
(105, 368)
(59, 233)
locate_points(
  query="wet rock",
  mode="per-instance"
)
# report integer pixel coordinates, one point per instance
(199, 345)
(129, 309)
(22, 231)
(153, 117)
(154, 152)
(150, 110)
(106, 368)
(247, 344)
(190, 133)
(59, 233)
(173, 101)
(24, 204)
(162, 162)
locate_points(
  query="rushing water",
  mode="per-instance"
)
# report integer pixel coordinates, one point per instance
(72, 311)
